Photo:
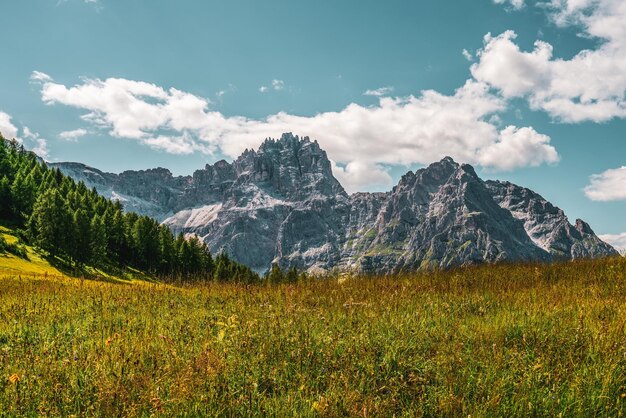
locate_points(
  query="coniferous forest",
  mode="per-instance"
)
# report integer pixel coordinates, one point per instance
(73, 224)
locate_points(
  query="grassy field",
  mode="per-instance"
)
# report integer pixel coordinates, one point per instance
(492, 340)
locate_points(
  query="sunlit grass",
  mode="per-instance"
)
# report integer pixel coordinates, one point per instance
(36, 266)
(499, 340)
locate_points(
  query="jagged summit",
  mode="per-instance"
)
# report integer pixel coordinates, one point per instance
(286, 139)
(547, 225)
(281, 203)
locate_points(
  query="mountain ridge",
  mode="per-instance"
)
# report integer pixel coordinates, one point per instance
(281, 203)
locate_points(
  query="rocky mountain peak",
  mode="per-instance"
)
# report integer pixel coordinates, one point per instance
(291, 166)
(286, 140)
(281, 203)
(547, 225)
(583, 227)
(435, 173)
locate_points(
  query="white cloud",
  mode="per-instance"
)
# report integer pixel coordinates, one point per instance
(358, 175)
(278, 84)
(515, 4)
(38, 76)
(97, 4)
(519, 147)
(40, 147)
(73, 135)
(468, 55)
(7, 129)
(275, 85)
(618, 241)
(383, 91)
(31, 140)
(404, 130)
(35, 143)
(609, 185)
(589, 86)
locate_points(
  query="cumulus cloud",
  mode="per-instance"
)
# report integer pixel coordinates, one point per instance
(618, 241)
(96, 3)
(591, 86)
(35, 143)
(468, 55)
(401, 130)
(383, 91)
(515, 4)
(275, 85)
(357, 174)
(38, 76)
(73, 135)
(31, 140)
(518, 147)
(609, 185)
(278, 84)
(7, 129)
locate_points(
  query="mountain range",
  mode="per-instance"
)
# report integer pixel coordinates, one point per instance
(281, 203)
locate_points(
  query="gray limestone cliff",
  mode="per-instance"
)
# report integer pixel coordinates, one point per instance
(281, 203)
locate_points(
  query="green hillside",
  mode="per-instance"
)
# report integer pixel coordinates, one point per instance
(62, 225)
(31, 264)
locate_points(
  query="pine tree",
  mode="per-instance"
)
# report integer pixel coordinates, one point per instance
(58, 210)
(81, 242)
(275, 275)
(184, 258)
(50, 222)
(115, 232)
(146, 240)
(221, 273)
(207, 261)
(166, 250)
(195, 256)
(6, 211)
(292, 275)
(23, 194)
(98, 240)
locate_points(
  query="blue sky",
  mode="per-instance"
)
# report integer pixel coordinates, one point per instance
(384, 86)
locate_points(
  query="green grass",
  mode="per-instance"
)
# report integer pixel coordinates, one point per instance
(501, 340)
(34, 265)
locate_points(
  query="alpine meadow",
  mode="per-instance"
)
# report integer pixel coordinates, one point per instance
(313, 209)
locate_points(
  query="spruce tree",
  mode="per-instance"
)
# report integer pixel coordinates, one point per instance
(275, 275)
(81, 242)
(5, 198)
(98, 240)
(50, 222)
(184, 258)
(166, 250)
(23, 194)
(221, 272)
(292, 275)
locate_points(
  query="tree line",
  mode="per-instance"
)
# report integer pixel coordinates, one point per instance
(72, 222)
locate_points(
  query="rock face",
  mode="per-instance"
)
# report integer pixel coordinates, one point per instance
(547, 225)
(281, 203)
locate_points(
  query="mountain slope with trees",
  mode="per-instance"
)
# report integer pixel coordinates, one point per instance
(68, 221)
(282, 204)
